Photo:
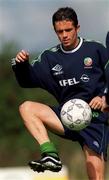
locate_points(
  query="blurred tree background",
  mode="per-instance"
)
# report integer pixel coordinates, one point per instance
(17, 146)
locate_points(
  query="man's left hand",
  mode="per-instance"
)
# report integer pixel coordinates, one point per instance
(96, 103)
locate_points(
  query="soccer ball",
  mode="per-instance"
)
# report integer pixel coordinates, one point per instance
(76, 114)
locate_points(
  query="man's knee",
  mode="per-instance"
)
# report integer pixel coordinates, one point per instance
(25, 107)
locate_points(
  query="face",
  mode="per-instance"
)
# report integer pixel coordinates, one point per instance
(67, 34)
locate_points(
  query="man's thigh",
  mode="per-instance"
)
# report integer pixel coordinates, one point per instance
(46, 115)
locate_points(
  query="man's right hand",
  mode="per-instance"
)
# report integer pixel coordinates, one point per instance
(22, 56)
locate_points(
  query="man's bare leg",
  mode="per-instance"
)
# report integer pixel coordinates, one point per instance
(37, 118)
(94, 164)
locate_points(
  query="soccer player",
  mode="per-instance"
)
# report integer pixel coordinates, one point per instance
(106, 97)
(72, 69)
(107, 43)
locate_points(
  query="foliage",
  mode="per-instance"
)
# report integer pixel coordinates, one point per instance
(14, 136)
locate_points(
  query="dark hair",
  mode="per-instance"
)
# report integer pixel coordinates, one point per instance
(65, 13)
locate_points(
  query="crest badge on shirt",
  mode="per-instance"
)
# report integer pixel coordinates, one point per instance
(88, 62)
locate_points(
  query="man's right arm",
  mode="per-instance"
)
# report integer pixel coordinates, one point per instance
(24, 72)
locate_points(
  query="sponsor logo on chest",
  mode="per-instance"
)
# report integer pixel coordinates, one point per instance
(58, 69)
(69, 82)
(73, 81)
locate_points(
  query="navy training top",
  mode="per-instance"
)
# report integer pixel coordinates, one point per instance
(66, 74)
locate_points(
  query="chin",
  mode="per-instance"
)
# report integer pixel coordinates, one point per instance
(67, 47)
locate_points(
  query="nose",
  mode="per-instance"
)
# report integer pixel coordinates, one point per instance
(64, 34)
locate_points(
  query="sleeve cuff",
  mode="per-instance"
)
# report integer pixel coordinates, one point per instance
(13, 61)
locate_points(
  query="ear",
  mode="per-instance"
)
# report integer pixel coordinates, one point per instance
(78, 28)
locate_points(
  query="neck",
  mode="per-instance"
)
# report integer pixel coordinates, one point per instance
(74, 49)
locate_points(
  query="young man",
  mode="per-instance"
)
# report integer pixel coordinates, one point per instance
(72, 69)
(106, 97)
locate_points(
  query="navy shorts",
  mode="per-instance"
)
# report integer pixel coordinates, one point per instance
(95, 136)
